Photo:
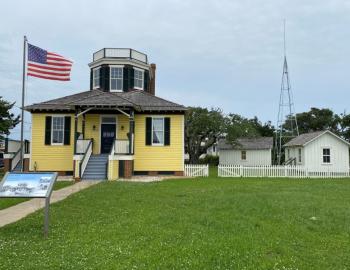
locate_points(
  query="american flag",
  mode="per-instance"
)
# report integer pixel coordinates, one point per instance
(47, 65)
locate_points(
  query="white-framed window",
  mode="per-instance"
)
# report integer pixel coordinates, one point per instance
(243, 155)
(299, 154)
(57, 130)
(158, 131)
(326, 152)
(138, 78)
(96, 74)
(116, 78)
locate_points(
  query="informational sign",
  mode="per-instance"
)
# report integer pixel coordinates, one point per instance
(27, 185)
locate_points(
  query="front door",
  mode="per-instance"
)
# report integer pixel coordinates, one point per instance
(107, 137)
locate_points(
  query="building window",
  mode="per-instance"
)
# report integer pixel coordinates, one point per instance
(96, 74)
(299, 155)
(326, 155)
(116, 78)
(138, 79)
(158, 131)
(57, 130)
(243, 155)
(288, 154)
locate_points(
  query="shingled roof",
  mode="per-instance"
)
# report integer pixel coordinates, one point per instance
(259, 143)
(305, 138)
(137, 99)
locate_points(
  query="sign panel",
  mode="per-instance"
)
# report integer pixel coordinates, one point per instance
(27, 185)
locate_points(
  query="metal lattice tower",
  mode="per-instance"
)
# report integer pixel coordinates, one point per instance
(287, 125)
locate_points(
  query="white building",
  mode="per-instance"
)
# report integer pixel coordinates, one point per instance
(319, 151)
(246, 151)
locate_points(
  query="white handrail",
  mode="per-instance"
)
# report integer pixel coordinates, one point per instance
(86, 158)
(121, 147)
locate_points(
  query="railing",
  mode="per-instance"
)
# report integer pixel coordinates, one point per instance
(12, 146)
(16, 158)
(122, 53)
(121, 147)
(82, 146)
(279, 171)
(195, 170)
(86, 158)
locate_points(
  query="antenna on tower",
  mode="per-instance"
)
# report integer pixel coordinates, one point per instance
(287, 126)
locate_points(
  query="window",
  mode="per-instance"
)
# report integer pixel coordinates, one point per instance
(116, 78)
(158, 131)
(243, 155)
(96, 73)
(57, 130)
(288, 153)
(138, 79)
(299, 154)
(326, 155)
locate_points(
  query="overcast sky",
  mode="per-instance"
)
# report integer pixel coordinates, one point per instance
(216, 53)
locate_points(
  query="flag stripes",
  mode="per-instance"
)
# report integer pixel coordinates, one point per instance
(47, 65)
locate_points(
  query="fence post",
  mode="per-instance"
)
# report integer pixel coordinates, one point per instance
(240, 170)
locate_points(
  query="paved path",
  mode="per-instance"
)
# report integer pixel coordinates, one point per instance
(19, 211)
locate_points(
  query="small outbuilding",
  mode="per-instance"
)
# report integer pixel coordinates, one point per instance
(318, 151)
(246, 151)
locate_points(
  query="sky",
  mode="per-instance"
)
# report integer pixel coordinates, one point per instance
(209, 53)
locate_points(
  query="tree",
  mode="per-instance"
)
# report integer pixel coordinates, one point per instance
(202, 129)
(317, 120)
(344, 120)
(238, 126)
(7, 119)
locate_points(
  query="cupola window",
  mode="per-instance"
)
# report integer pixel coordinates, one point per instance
(96, 74)
(138, 78)
(116, 77)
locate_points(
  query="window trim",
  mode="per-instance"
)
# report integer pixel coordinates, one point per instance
(93, 78)
(143, 78)
(157, 144)
(110, 78)
(245, 155)
(57, 116)
(330, 156)
(299, 155)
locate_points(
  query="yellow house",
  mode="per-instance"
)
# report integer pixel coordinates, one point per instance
(117, 129)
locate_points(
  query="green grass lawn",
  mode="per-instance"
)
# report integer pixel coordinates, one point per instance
(7, 202)
(189, 224)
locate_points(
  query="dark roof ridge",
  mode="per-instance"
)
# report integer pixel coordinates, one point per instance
(121, 98)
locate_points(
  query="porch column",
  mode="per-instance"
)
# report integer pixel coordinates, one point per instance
(83, 127)
(75, 131)
(131, 132)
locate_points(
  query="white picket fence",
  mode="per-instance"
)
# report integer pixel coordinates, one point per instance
(194, 170)
(277, 171)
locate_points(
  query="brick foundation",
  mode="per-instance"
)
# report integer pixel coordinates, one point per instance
(128, 170)
(7, 164)
(179, 173)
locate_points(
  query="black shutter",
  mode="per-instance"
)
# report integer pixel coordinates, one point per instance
(91, 79)
(104, 78)
(125, 78)
(131, 78)
(48, 122)
(146, 81)
(67, 120)
(148, 130)
(167, 131)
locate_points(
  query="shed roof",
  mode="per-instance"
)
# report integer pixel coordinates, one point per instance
(305, 138)
(259, 143)
(137, 99)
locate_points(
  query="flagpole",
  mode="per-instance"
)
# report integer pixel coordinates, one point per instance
(22, 107)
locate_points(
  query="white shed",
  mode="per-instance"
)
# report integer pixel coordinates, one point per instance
(246, 151)
(319, 151)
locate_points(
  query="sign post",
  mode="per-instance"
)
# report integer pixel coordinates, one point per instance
(30, 185)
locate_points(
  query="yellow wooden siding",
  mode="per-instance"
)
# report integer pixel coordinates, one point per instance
(92, 120)
(50, 157)
(123, 127)
(159, 158)
(113, 169)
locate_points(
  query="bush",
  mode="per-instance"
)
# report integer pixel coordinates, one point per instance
(211, 160)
